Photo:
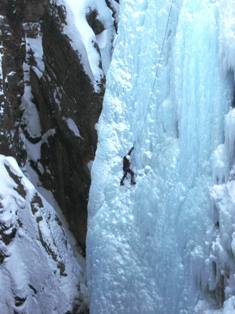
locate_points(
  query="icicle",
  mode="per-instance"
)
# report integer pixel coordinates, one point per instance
(230, 136)
(219, 165)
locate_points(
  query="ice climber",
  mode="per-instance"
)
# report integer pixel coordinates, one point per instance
(127, 169)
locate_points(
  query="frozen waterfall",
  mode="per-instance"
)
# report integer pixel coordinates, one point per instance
(169, 91)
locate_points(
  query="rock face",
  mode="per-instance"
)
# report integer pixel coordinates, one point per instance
(49, 103)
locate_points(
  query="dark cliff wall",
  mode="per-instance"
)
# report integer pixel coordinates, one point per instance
(63, 91)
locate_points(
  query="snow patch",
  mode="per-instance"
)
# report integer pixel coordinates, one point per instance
(30, 117)
(72, 127)
(34, 46)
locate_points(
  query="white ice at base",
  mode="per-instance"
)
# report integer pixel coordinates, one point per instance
(149, 246)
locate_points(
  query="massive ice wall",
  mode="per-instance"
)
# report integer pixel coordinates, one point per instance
(168, 91)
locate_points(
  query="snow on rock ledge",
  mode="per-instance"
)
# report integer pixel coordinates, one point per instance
(39, 272)
(92, 39)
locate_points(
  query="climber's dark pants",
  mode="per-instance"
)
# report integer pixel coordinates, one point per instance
(125, 175)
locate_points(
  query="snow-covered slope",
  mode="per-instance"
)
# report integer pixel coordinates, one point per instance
(39, 271)
(155, 247)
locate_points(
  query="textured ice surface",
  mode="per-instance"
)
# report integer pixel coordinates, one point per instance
(168, 91)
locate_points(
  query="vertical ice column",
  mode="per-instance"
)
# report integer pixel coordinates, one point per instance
(202, 92)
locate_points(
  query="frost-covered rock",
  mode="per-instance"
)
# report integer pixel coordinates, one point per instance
(90, 25)
(39, 269)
